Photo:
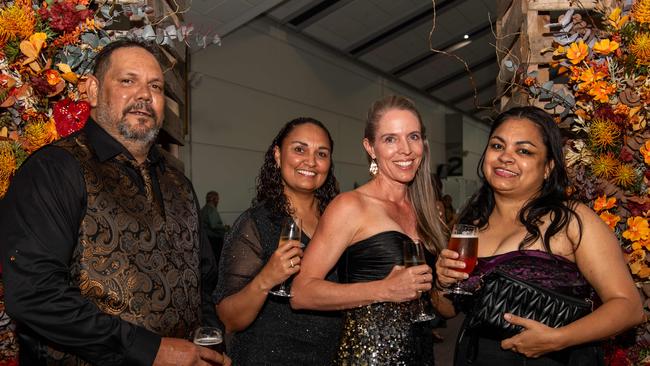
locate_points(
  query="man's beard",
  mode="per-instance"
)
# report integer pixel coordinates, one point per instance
(131, 133)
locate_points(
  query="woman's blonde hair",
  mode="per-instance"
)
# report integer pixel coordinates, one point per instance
(431, 229)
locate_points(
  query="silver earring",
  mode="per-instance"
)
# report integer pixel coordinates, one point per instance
(373, 169)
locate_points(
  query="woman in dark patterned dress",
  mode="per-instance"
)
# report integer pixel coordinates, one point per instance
(532, 231)
(364, 232)
(296, 181)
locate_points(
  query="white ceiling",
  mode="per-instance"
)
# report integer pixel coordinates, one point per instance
(391, 36)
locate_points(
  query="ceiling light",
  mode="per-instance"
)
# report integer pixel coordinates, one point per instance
(466, 36)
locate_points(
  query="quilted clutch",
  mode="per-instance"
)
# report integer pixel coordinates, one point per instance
(501, 293)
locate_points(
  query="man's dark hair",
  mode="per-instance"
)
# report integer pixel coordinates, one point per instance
(103, 58)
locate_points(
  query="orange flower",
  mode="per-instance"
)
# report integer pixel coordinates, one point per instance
(7, 165)
(53, 77)
(637, 229)
(640, 48)
(589, 76)
(610, 219)
(603, 203)
(16, 22)
(605, 46)
(645, 152)
(577, 52)
(641, 244)
(39, 134)
(636, 261)
(601, 91)
(641, 11)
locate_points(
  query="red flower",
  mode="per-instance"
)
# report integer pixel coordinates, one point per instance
(626, 155)
(70, 116)
(63, 16)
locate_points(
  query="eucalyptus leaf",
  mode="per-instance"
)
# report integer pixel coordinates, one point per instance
(548, 85)
(91, 39)
(550, 105)
(534, 90)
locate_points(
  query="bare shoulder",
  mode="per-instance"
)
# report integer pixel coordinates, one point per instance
(346, 203)
(591, 229)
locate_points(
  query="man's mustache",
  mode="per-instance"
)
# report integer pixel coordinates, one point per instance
(141, 106)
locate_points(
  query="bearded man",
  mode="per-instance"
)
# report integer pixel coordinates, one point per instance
(102, 256)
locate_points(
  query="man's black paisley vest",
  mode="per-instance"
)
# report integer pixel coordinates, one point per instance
(132, 260)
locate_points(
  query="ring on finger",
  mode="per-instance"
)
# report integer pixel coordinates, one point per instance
(291, 265)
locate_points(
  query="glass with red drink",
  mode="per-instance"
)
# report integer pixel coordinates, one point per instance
(464, 241)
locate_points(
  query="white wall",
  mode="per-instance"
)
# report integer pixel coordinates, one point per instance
(260, 78)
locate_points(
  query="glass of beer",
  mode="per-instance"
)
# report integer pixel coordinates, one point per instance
(464, 241)
(289, 233)
(209, 337)
(414, 256)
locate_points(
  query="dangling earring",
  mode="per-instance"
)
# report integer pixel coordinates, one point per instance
(373, 169)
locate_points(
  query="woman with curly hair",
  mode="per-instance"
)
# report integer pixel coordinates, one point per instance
(296, 181)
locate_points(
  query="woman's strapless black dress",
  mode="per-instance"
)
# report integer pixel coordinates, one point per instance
(380, 333)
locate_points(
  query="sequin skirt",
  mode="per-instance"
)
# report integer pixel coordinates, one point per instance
(377, 334)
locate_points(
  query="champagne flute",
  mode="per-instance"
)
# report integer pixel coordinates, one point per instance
(414, 256)
(290, 233)
(209, 337)
(464, 240)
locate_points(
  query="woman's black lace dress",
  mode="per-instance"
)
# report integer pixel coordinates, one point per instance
(279, 335)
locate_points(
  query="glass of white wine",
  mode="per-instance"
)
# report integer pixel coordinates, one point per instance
(290, 233)
(414, 256)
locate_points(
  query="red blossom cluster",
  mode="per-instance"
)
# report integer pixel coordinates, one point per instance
(64, 16)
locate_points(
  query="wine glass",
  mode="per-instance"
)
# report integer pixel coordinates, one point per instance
(464, 240)
(414, 256)
(209, 337)
(290, 233)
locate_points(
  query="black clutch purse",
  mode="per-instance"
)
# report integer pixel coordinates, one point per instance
(501, 293)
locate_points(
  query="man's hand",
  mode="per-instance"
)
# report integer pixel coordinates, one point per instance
(179, 352)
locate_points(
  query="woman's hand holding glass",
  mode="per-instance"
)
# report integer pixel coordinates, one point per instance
(406, 284)
(456, 262)
(285, 261)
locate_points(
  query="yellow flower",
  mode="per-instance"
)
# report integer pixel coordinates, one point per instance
(604, 203)
(641, 11)
(39, 134)
(604, 166)
(7, 165)
(32, 49)
(640, 48)
(637, 229)
(605, 46)
(68, 74)
(603, 133)
(610, 219)
(624, 176)
(16, 22)
(601, 91)
(615, 19)
(577, 52)
(645, 152)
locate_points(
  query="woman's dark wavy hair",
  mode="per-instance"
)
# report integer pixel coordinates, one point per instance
(551, 199)
(270, 187)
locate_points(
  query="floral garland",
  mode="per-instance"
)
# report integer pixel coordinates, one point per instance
(601, 98)
(46, 49)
